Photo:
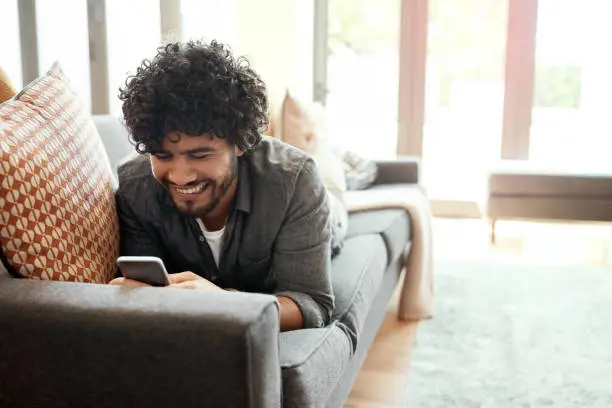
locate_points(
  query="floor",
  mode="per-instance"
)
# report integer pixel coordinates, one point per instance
(381, 382)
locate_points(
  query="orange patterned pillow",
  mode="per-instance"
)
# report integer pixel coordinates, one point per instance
(56, 194)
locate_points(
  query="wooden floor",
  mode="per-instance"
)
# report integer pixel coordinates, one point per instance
(539, 243)
(382, 380)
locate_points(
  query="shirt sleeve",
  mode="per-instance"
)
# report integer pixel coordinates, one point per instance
(301, 264)
(135, 240)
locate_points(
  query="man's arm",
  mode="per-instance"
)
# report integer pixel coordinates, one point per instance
(301, 263)
(290, 314)
(135, 239)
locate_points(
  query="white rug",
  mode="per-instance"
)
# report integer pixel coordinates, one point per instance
(514, 335)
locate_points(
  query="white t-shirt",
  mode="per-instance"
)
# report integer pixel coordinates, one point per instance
(214, 239)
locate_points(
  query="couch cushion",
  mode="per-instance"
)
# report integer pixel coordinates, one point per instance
(356, 276)
(115, 139)
(7, 91)
(56, 192)
(312, 361)
(361, 173)
(301, 123)
(392, 224)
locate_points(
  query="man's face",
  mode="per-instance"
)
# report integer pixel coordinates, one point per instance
(198, 171)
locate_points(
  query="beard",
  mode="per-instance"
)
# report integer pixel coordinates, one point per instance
(207, 201)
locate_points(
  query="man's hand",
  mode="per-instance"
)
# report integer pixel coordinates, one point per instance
(127, 282)
(189, 280)
(183, 280)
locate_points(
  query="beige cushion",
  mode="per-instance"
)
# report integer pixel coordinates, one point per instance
(301, 123)
(7, 91)
(56, 197)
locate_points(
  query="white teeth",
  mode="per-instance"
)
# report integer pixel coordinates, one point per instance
(193, 190)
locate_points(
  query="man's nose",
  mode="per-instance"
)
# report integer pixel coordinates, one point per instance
(182, 176)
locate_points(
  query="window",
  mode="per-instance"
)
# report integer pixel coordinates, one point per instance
(210, 19)
(11, 49)
(363, 75)
(571, 126)
(133, 34)
(62, 36)
(464, 98)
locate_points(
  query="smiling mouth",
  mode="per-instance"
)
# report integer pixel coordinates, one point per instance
(190, 190)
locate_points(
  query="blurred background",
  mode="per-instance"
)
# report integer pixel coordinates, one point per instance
(464, 84)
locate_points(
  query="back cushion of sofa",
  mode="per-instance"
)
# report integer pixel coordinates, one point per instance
(56, 190)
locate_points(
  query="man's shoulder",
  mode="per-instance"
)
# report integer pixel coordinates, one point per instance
(138, 167)
(136, 178)
(276, 160)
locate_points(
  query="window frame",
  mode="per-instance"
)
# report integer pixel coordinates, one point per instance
(519, 80)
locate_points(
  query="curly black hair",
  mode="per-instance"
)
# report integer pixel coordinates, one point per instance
(195, 88)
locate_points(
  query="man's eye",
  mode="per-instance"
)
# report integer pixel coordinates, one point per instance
(162, 157)
(200, 156)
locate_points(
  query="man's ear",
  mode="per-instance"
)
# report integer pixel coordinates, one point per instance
(238, 152)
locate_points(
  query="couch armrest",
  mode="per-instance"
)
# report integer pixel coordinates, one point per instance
(70, 344)
(404, 169)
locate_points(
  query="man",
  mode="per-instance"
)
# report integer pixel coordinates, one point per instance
(222, 206)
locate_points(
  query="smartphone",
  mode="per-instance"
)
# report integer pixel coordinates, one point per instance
(147, 269)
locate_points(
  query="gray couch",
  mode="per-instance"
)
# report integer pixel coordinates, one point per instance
(76, 345)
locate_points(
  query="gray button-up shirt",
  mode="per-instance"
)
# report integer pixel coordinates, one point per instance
(277, 238)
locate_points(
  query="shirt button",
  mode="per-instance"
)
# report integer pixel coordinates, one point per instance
(202, 239)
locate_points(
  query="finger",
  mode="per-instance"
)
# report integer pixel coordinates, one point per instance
(182, 277)
(134, 283)
(127, 282)
(117, 281)
(183, 285)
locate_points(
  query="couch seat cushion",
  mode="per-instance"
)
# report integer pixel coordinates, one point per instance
(312, 362)
(393, 225)
(356, 276)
